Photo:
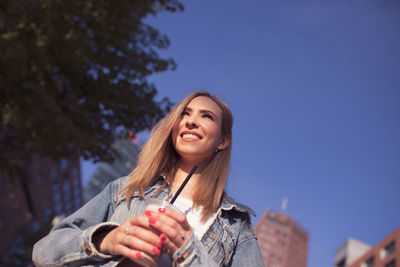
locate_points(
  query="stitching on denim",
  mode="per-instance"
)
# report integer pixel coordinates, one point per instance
(210, 235)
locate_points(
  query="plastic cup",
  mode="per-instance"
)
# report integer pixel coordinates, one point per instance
(153, 204)
(147, 260)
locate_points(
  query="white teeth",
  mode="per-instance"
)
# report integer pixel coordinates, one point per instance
(192, 136)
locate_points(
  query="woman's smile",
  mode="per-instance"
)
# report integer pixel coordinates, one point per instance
(190, 136)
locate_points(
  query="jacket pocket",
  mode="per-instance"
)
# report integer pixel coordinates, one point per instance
(219, 241)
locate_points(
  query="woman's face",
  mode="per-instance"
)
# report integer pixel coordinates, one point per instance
(197, 134)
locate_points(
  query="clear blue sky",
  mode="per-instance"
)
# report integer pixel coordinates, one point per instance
(314, 87)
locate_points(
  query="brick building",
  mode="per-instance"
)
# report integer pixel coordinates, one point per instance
(283, 242)
(385, 254)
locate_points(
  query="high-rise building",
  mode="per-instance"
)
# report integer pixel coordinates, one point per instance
(385, 254)
(283, 242)
(126, 156)
(50, 188)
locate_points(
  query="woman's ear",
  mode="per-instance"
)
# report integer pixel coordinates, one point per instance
(224, 142)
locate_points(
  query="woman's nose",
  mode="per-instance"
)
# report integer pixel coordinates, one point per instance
(191, 122)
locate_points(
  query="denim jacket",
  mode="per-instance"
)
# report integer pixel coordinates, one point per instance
(230, 240)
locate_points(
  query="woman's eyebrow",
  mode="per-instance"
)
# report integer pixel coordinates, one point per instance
(202, 111)
(208, 111)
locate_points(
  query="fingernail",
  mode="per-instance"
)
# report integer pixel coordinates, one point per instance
(148, 213)
(152, 220)
(162, 210)
(160, 243)
(163, 237)
(155, 250)
(139, 255)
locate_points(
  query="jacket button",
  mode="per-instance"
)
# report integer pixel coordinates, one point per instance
(180, 260)
(183, 257)
(88, 250)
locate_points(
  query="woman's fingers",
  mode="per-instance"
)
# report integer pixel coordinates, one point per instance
(146, 241)
(174, 228)
(178, 216)
(132, 238)
(128, 252)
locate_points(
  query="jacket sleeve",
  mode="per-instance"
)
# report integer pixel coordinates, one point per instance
(69, 243)
(193, 254)
(247, 253)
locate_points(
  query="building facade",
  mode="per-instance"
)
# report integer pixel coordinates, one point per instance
(283, 242)
(126, 157)
(385, 254)
(50, 189)
(350, 251)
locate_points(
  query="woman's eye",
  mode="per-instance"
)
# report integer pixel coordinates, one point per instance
(208, 116)
(184, 113)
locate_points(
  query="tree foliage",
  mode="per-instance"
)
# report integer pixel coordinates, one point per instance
(73, 75)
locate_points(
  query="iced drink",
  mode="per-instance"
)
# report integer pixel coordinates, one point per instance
(151, 204)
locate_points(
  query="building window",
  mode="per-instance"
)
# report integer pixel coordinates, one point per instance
(77, 202)
(341, 263)
(58, 208)
(75, 173)
(391, 264)
(388, 249)
(68, 208)
(272, 255)
(369, 263)
(76, 183)
(54, 187)
(56, 197)
(48, 212)
(63, 164)
(53, 174)
(39, 178)
(77, 198)
(66, 191)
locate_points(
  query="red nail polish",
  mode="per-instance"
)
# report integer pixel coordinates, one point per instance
(152, 220)
(148, 213)
(161, 210)
(160, 243)
(163, 237)
(155, 250)
(139, 255)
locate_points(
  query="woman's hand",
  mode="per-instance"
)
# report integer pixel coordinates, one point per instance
(173, 226)
(130, 239)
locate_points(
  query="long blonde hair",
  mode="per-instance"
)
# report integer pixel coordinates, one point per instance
(158, 156)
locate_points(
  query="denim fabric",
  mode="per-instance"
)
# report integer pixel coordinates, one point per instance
(230, 240)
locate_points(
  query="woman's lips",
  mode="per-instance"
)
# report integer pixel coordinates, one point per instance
(190, 136)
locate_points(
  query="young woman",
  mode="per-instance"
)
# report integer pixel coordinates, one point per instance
(213, 230)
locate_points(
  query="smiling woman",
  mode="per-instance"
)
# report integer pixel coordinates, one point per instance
(210, 230)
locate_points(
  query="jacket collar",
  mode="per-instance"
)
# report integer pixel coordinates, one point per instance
(122, 181)
(227, 202)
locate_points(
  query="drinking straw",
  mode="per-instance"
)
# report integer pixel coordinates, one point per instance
(183, 185)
